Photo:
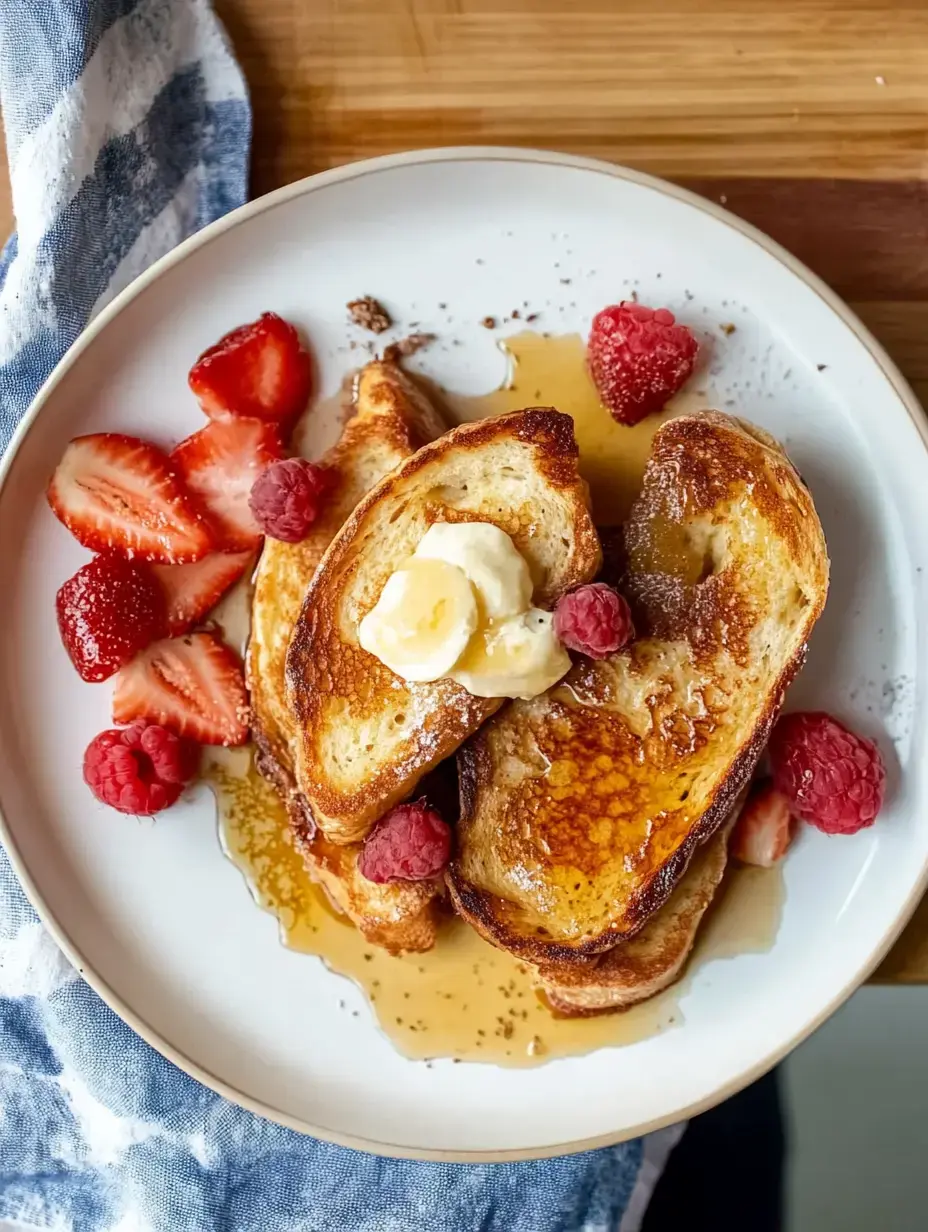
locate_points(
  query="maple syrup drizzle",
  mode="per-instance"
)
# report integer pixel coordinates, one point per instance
(465, 999)
(551, 371)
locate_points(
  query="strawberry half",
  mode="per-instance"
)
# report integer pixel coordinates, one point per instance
(192, 685)
(763, 830)
(191, 591)
(259, 371)
(220, 464)
(119, 493)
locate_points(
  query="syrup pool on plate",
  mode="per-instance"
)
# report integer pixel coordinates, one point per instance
(465, 999)
(462, 999)
(551, 371)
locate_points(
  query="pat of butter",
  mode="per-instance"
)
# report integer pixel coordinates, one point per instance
(517, 657)
(460, 607)
(492, 562)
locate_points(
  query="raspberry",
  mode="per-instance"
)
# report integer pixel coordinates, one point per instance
(139, 769)
(107, 612)
(287, 498)
(639, 358)
(594, 620)
(410, 843)
(832, 778)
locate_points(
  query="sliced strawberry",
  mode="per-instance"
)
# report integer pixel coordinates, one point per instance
(763, 830)
(260, 371)
(220, 464)
(118, 493)
(108, 611)
(192, 685)
(193, 590)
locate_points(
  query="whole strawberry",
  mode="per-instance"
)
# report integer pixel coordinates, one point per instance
(107, 612)
(639, 358)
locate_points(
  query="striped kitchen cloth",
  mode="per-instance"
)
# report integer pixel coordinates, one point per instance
(128, 128)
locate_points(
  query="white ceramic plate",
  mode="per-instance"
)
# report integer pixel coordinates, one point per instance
(163, 925)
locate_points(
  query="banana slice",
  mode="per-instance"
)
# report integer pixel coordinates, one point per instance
(489, 558)
(518, 657)
(423, 621)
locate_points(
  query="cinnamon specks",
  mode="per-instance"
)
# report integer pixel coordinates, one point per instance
(406, 347)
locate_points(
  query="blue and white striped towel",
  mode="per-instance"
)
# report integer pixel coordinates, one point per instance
(128, 128)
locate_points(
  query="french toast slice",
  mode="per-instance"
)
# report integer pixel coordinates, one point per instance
(581, 809)
(391, 419)
(401, 916)
(636, 970)
(367, 736)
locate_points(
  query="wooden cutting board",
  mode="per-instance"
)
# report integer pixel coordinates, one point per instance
(807, 117)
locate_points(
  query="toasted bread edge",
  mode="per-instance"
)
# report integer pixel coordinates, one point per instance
(634, 972)
(551, 432)
(477, 906)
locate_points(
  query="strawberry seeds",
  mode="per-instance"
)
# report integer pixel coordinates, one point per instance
(173, 533)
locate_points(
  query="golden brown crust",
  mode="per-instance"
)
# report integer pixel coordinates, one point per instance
(392, 419)
(402, 917)
(283, 574)
(655, 958)
(394, 731)
(582, 810)
(674, 584)
(487, 913)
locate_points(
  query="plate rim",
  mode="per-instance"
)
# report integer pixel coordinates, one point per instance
(345, 173)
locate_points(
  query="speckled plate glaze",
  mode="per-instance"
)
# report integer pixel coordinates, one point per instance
(153, 914)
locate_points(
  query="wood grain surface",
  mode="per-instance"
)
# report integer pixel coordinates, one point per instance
(807, 117)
